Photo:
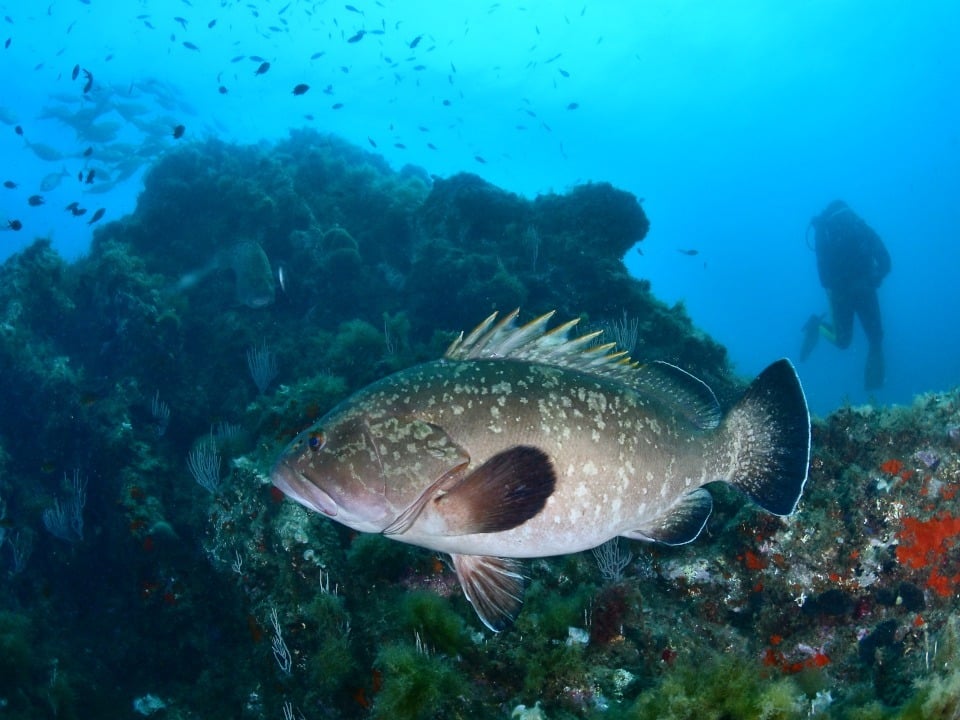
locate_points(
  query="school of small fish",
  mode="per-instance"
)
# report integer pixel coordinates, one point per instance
(123, 126)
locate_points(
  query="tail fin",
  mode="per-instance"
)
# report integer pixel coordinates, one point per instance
(770, 427)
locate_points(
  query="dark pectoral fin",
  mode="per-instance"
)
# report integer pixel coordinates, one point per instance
(504, 492)
(494, 586)
(681, 524)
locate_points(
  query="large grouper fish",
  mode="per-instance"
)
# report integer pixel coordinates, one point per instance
(523, 442)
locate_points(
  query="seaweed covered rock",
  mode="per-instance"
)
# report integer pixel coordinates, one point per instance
(595, 218)
(252, 289)
(473, 214)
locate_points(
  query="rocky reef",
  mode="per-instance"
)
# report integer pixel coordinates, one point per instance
(151, 568)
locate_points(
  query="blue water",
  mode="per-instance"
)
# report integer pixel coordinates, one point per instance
(735, 121)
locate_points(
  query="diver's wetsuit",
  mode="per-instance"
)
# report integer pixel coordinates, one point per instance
(852, 262)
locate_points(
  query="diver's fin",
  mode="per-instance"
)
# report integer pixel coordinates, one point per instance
(504, 492)
(771, 427)
(681, 524)
(493, 585)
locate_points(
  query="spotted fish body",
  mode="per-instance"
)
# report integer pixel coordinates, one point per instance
(523, 443)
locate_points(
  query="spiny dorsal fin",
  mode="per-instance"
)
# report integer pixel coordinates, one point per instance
(534, 343)
(677, 389)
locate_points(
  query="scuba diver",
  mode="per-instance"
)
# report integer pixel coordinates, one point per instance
(852, 262)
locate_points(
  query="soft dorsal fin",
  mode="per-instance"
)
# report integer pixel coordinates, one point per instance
(493, 585)
(679, 525)
(680, 391)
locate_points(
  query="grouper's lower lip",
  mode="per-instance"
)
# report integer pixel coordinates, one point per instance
(296, 485)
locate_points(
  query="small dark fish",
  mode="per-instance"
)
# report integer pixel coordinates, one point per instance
(264, 66)
(480, 159)
(446, 103)
(18, 130)
(358, 37)
(369, 140)
(222, 90)
(96, 216)
(238, 58)
(691, 253)
(300, 89)
(189, 45)
(182, 21)
(7, 43)
(178, 131)
(351, 8)
(573, 106)
(108, 57)
(88, 152)
(90, 174)
(257, 58)
(555, 57)
(336, 106)
(431, 146)
(149, 24)
(89, 84)
(416, 41)
(328, 90)
(72, 206)
(400, 146)
(35, 200)
(76, 72)
(78, 211)
(563, 72)
(319, 54)
(211, 23)
(9, 184)
(14, 224)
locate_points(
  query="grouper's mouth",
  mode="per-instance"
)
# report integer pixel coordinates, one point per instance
(296, 485)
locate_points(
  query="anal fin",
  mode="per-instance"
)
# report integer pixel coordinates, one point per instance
(493, 585)
(681, 524)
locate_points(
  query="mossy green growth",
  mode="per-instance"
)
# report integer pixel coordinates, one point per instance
(373, 557)
(16, 643)
(937, 694)
(549, 613)
(356, 351)
(331, 663)
(716, 688)
(433, 618)
(418, 686)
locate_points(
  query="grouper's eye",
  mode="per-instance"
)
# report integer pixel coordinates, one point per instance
(316, 440)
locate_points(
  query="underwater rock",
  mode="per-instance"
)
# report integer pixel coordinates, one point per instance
(382, 268)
